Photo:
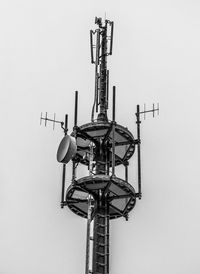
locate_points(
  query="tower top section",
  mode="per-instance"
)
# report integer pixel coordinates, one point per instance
(101, 43)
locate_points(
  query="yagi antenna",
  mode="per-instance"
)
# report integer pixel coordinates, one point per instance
(153, 110)
(54, 121)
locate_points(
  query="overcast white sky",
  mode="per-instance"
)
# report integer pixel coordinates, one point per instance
(44, 57)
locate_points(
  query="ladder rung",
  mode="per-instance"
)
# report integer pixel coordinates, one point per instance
(102, 264)
(102, 225)
(100, 244)
(102, 234)
(102, 254)
(102, 215)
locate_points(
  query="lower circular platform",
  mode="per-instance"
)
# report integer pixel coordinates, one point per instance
(119, 194)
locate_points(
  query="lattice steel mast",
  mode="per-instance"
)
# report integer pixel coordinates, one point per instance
(100, 145)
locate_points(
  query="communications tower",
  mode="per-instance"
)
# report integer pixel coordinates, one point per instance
(100, 145)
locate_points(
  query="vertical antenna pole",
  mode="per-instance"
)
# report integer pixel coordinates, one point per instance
(66, 124)
(113, 110)
(64, 167)
(107, 88)
(113, 133)
(126, 171)
(76, 108)
(126, 179)
(138, 122)
(75, 125)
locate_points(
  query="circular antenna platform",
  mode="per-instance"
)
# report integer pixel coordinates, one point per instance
(96, 132)
(119, 194)
(67, 149)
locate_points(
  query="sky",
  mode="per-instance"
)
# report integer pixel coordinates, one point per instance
(44, 58)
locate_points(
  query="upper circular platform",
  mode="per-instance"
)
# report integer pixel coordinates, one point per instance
(119, 194)
(96, 132)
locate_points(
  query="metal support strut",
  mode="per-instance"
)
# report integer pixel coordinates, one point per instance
(64, 167)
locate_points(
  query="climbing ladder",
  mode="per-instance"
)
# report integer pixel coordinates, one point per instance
(97, 242)
(101, 240)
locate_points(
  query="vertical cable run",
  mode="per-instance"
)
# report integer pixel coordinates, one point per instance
(113, 133)
(138, 122)
(75, 129)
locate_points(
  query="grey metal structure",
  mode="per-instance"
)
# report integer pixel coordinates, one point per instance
(100, 145)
